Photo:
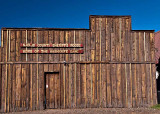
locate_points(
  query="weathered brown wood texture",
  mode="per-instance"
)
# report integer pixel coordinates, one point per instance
(117, 67)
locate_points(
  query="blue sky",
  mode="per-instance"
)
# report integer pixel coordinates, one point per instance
(75, 13)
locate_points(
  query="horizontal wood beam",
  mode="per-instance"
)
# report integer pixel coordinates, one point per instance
(80, 62)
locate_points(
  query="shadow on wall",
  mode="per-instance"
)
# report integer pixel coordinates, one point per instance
(158, 80)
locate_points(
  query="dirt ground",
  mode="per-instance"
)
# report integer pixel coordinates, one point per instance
(94, 111)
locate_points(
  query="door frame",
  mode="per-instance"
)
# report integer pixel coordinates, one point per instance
(45, 74)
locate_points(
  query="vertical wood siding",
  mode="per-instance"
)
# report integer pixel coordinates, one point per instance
(124, 75)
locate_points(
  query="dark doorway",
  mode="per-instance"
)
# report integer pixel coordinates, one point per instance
(52, 90)
(158, 81)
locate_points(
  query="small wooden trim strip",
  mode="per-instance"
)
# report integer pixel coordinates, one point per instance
(26, 42)
(50, 45)
(51, 51)
(2, 39)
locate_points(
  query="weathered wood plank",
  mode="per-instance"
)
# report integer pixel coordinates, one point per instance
(97, 40)
(83, 83)
(119, 86)
(34, 74)
(58, 87)
(12, 58)
(12, 49)
(147, 47)
(94, 85)
(29, 40)
(82, 41)
(13, 88)
(108, 39)
(113, 47)
(88, 86)
(23, 40)
(129, 85)
(103, 39)
(62, 86)
(74, 74)
(154, 84)
(66, 74)
(124, 87)
(109, 89)
(152, 47)
(148, 86)
(97, 68)
(69, 83)
(23, 87)
(31, 78)
(78, 86)
(88, 45)
(114, 83)
(139, 90)
(51, 40)
(104, 85)
(3, 105)
(46, 57)
(93, 38)
(123, 42)
(41, 86)
(61, 41)
(18, 41)
(117, 39)
(18, 87)
(144, 84)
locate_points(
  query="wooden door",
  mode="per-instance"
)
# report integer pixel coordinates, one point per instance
(52, 90)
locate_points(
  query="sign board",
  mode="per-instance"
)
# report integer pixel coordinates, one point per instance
(52, 51)
(51, 45)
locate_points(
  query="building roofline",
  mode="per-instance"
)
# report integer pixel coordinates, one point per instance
(65, 29)
(142, 30)
(110, 16)
(39, 28)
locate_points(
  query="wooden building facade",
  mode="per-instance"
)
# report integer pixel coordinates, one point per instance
(107, 65)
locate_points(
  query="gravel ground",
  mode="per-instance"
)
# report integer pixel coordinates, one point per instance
(94, 111)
